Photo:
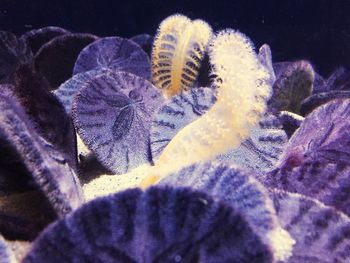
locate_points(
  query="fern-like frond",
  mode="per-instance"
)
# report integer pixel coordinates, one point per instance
(178, 50)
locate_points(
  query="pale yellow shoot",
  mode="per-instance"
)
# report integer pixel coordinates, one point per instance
(242, 93)
(178, 50)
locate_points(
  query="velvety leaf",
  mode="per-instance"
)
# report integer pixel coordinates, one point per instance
(145, 41)
(259, 152)
(339, 80)
(55, 59)
(46, 113)
(316, 100)
(112, 114)
(322, 233)
(316, 161)
(13, 52)
(176, 113)
(14, 175)
(241, 191)
(319, 82)
(159, 225)
(67, 91)
(292, 85)
(46, 165)
(36, 38)
(115, 53)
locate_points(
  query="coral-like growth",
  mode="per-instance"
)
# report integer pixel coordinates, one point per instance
(242, 92)
(177, 53)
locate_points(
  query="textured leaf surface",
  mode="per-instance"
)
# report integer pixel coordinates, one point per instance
(13, 52)
(259, 152)
(114, 53)
(322, 233)
(293, 85)
(241, 101)
(316, 100)
(47, 114)
(69, 89)
(316, 160)
(176, 113)
(55, 60)
(14, 175)
(36, 38)
(47, 166)
(178, 49)
(159, 225)
(339, 80)
(238, 189)
(319, 84)
(113, 114)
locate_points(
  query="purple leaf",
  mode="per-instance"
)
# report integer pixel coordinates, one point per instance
(176, 113)
(339, 80)
(46, 165)
(259, 152)
(316, 100)
(319, 82)
(316, 161)
(47, 114)
(145, 41)
(67, 91)
(236, 188)
(36, 38)
(112, 114)
(13, 53)
(322, 233)
(115, 53)
(292, 85)
(55, 60)
(159, 225)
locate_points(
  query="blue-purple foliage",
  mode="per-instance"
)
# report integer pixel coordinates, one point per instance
(46, 165)
(322, 233)
(55, 59)
(158, 225)
(36, 38)
(112, 114)
(316, 161)
(114, 53)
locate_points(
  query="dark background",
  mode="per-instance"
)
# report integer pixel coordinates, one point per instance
(317, 30)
